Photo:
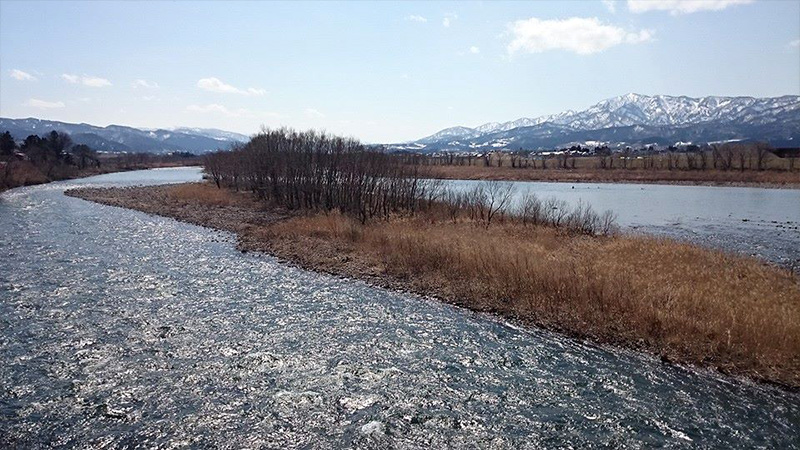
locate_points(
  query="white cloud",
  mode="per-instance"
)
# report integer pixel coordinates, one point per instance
(576, 34)
(676, 7)
(95, 82)
(611, 5)
(43, 104)
(795, 43)
(214, 84)
(86, 80)
(139, 83)
(254, 91)
(21, 76)
(448, 19)
(416, 18)
(313, 113)
(474, 50)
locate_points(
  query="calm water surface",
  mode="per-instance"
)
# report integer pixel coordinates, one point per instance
(120, 330)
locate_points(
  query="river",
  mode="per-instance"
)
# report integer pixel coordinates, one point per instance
(119, 330)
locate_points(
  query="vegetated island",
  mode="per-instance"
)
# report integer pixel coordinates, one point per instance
(331, 205)
(729, 164)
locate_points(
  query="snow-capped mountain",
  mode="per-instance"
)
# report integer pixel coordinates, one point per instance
(634, 119)
(452, 133)
(117, 138)
(213, 133)
(657, 110)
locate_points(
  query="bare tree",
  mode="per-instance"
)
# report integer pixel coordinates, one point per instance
(704, 156)
(311, 170)
(555, 211)
(694, 160)
(455, 203)
(626, 155)
(722, 156)
(761, 150)
(742, 157)
(608, 223)
(530, 210)
(498, 194)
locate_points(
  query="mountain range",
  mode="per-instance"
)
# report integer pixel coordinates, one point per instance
(628, 120)
(117, 138)
(632, 120)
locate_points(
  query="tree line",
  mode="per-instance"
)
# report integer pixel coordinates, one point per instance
(49, 151)
(732, 156)
(42, 158)
(317, 171)
(726, 157)
(54, 156)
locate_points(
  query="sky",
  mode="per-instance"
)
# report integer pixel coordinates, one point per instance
(382, 72)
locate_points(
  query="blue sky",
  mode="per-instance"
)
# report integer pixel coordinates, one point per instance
(382, 72)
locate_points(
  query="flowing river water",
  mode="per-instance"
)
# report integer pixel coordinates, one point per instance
(120, 330)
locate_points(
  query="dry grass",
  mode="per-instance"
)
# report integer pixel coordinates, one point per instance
(202, 193)
(685, 303)
(20, 173)
(208, 195)
(591, 174)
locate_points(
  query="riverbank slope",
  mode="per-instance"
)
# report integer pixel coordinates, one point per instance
(685, 303)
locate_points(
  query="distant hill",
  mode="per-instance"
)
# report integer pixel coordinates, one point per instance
(117, 138)
(632, 120)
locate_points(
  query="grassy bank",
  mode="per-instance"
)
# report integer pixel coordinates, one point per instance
(766, 178)
(684, 303)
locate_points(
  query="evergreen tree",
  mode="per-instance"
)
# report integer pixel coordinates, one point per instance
(32, 142)
(58, 143)
(7, 144)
